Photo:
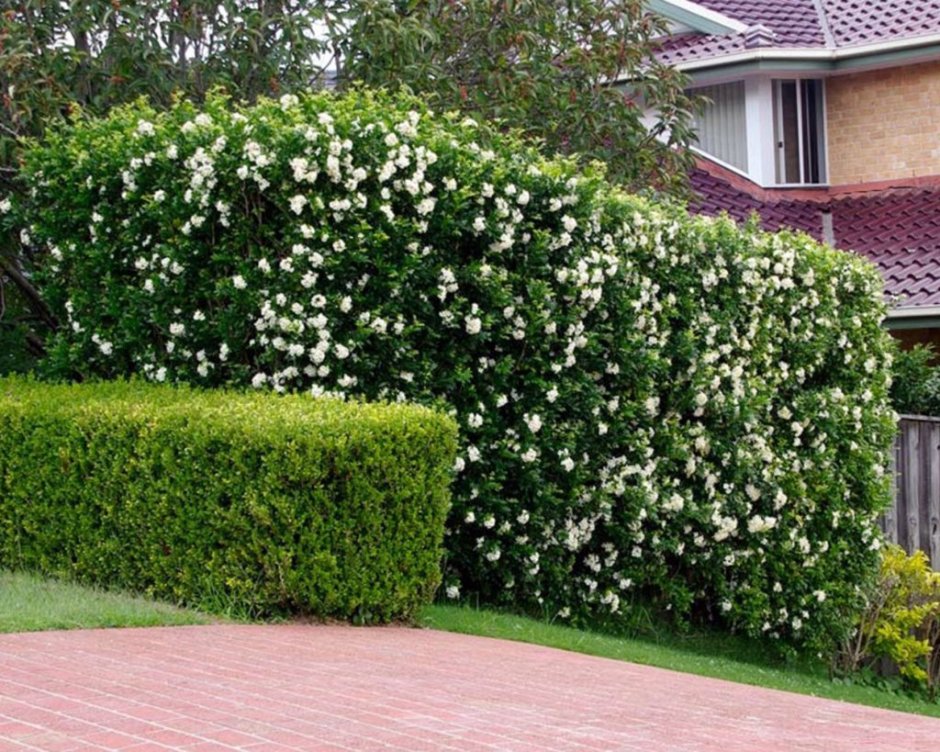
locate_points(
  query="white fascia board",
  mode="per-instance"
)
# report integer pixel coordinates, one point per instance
(914, 312)
(812, 54)
(696, 16)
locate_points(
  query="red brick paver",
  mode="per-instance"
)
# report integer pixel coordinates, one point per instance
(297, 687)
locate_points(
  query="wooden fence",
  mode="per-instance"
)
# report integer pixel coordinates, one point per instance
(914, 521)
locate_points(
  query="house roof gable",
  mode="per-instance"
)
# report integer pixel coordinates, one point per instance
(830, 28)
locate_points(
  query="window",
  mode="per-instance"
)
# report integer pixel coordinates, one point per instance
(798, 131)
(721, 126)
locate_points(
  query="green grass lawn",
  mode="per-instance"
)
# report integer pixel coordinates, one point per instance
(716, 655)
(29, 603)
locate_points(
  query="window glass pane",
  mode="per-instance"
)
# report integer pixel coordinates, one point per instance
(722, 125)
(799, 131)
(787, 134)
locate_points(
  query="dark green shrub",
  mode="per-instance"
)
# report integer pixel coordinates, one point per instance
(255, 503)
(915, 389)
(651, 406)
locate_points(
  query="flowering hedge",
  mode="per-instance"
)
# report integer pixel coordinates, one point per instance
(651, 406)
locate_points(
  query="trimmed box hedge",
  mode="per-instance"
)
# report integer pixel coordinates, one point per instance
(249, 503)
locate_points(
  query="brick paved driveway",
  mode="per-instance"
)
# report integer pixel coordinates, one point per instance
(297, 687)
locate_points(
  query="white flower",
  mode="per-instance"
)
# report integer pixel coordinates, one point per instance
(177, 329)
(473, 324)
(758, 524)
(675, 503)
(489, 522)
(288, 101)
(238, 281)
(552, 394)
(297, 203)
(474, 420)
(453, 592)
(530, 455)
(105, 347)
(159, 196)
(5, 206)
(568, 464)
(145, 128)
(534, 422)
(264, 265)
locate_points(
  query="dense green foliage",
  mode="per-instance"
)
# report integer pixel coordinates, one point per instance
(543, 67)
(915, 389)
(651, 406)
(249, 503)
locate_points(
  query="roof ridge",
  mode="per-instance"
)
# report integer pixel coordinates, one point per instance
(824, 24)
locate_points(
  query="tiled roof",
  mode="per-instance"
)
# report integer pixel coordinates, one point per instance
(795, 22)
(898, 229)
(863, 21)
(826, 24)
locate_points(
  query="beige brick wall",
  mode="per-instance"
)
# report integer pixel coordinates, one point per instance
(884, 125)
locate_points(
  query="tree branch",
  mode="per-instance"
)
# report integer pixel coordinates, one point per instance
(36, 303)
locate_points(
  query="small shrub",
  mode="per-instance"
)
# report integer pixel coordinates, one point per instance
(651, 406)
(260, 504)
(901, 623)
(915, 389)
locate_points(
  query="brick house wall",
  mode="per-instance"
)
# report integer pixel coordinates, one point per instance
(882, 125)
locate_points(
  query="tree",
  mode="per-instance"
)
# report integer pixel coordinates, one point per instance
(62, 57)
(577, 74)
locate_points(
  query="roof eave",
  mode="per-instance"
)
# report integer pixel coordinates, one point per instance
(913, 317)
(696, 16)
(838, 59)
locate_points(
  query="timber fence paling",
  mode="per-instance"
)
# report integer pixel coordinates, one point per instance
(914, 520)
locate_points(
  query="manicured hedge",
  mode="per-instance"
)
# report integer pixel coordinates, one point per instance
(251, 503)
(652, 407)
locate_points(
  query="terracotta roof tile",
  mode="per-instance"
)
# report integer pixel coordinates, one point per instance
(795, 22)
(800, 23)
(897, 229)
(862, 21)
